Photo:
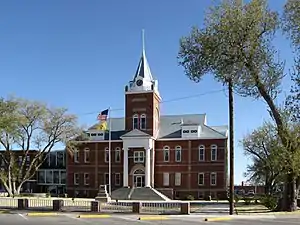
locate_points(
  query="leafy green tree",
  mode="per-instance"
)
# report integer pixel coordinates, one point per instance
(236, 42)
(26, 126)
(264, 148)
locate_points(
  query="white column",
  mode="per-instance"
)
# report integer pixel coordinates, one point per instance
(147, 168)
(125, 167)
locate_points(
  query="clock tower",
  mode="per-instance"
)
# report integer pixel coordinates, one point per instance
(142, 109)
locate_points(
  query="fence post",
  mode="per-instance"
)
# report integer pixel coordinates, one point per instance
(95, 206)
(58, 204)
(185, 208)
(136, 207)
(22, 203)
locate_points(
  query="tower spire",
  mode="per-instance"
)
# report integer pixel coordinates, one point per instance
(143, 41)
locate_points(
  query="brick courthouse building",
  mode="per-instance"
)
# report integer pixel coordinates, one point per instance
(177, 154)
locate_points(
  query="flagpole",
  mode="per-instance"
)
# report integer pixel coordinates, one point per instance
(109, 152)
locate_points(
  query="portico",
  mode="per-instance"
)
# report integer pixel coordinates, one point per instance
(139, 140)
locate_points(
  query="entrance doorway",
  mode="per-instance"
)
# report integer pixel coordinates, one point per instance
(139, 178)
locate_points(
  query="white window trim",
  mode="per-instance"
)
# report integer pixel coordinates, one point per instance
(74, 179)
(213, 147)
(106, 150)
(166, 182)
(135, 116)
(117, 183)
(118, 151)
(143, 116)
(166, 149)
(201, 148)
(85, 158)
(76, 159)
(211, 174)
(140, 154)
(86, 181)
(199, 179)
(177, 181)
(178, 148)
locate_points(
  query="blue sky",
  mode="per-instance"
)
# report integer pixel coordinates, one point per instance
(81, 54)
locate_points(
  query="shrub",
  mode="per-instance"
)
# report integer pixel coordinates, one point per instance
(247, 201)
(269, 201)
(190, 198)
(236, 198)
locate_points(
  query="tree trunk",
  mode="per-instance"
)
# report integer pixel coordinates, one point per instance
(231, 146)
(289, 200)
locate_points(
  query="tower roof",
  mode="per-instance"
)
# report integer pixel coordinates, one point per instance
(143, 69)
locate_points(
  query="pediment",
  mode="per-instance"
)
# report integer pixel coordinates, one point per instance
(135, 133)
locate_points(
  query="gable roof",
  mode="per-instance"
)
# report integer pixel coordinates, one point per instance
(170, 127)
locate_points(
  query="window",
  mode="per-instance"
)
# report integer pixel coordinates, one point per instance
(143, 122)
(86, 155)
(76, 179)
(41, 177)
(28, 160)
(106, 155)
(194, 131)
(106, 178)
(76, 156)
(166, 179)
(63, 176)
(56, 177)
(201, 179)
(177, 179)
(135, 122)
(178, 154)
(166, 154)
(201, 153)
(117, 179)
(86, 179)
(138, 157)
(185, 131)
(214, 150)
(20, 159)
(49, 176)
(213, 179)
(117, 154)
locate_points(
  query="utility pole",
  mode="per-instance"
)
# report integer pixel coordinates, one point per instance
(231, 147)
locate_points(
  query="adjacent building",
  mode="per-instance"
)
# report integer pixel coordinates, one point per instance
(51, 176)
(179, 155)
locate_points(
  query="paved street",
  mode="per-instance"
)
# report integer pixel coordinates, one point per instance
(71, 219)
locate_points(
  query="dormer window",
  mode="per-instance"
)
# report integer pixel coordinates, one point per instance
(135, 122)
(143, 122)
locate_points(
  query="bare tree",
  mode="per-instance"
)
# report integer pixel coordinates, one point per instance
(27, 126)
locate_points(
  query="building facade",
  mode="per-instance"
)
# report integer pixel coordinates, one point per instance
(51, 176)
(177, 154)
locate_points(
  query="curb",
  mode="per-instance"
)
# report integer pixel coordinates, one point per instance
(94, 216)
(4, 212)
(153, 218)
(215, 219)
(38, 214)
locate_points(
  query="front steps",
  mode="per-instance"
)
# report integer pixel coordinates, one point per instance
(141, 194)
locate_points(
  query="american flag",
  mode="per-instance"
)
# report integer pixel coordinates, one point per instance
(102, 116)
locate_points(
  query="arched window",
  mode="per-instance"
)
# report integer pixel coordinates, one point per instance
(201, 153)
(135, 121)
(178, 153)
(143, 122)
(117, 154)
(166, 151)
(214, 152)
